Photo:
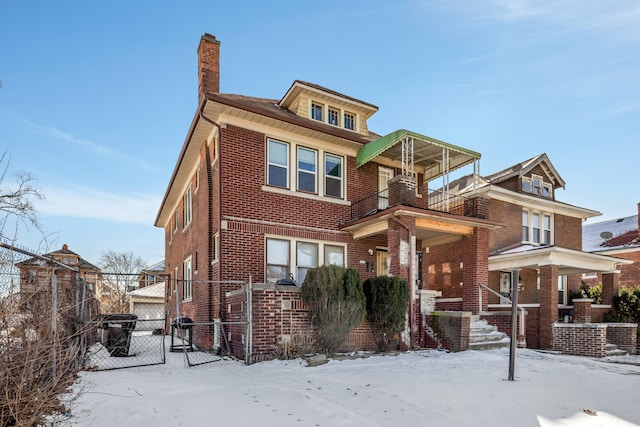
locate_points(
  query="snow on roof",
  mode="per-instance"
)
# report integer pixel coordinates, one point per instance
(152, 291)
(611, 234)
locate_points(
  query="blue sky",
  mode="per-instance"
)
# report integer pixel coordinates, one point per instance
(97, 98)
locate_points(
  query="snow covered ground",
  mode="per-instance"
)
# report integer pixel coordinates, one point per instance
(426, 388)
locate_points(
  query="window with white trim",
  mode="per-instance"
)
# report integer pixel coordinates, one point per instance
(536, 185)
(333, 175)
(187, 280)
(316, 111)
(278, 163)
(562, 290)
(349, 121)
(307, 170)
(187, 207)
(216, 247)
(333, 117)
(537, 227)
(284, 256)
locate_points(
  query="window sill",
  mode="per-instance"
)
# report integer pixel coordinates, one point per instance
(305, 195)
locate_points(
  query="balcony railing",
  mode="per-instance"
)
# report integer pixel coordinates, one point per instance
(436, 200)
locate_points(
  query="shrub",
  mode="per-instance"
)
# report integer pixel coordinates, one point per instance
(586, 291)
(627, 304)
(336, 303)
(387, 302)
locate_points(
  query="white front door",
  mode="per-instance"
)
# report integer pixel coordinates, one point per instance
(384, 175)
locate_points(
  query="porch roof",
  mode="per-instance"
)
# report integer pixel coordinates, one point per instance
(427, 152)
(569, 261)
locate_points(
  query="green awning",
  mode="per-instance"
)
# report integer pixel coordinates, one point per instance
(427, 152)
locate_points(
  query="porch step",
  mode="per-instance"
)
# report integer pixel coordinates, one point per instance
(613, 350)
(483, 336)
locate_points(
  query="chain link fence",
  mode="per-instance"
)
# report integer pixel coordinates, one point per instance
(44, 305)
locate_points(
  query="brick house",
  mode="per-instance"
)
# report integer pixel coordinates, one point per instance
(541, 240)
(617, 237)
(270, 188)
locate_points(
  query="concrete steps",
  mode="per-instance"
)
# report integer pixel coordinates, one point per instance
(483, 336)
(613, 350)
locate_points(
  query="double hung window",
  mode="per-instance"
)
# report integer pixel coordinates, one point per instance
(333, 175)
(278, 164)
(537, 227)
(307, 170)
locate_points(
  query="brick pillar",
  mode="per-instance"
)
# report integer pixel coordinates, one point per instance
(548, 304)
(610, 286)
(399, 246)
(402, 191)
(475, 270)
(582, 310)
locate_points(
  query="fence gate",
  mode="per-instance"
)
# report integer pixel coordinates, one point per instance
(220, 341)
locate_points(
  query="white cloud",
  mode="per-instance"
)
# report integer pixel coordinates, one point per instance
(85, 202)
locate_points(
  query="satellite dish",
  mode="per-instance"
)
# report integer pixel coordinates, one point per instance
(606, 235)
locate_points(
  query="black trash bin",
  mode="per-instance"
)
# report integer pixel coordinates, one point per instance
(116, 334)
(182, 328)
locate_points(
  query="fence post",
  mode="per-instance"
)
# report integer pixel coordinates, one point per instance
(249, 349)
(54, 321)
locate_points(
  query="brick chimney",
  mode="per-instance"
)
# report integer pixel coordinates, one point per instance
(208, 66)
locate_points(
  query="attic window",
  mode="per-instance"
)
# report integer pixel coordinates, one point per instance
(536, 185)
(316, 111)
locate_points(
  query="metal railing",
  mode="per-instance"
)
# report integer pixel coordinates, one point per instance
(436, 200)
(521, 310)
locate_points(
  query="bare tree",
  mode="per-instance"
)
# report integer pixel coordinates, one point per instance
(119, 274)
(16, 201)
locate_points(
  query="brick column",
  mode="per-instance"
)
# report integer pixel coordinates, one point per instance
(402, 191)
(610, 286)
(548, 304)
(582, 310)
(399, 246)
(475, 270)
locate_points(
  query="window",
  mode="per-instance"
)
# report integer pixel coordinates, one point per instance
(307, 170)
(537, 227)
(334, 117)
(186, 280)
(536, 185)
(316, 111)
(505, 283)
(187, 206)
(277, 259)
(307, 258)
(349, 121)
(562, 290)
(278, 164)
(298, 256)
(216, 247)
(333, 175)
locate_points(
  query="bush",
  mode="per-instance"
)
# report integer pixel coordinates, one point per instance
(336, 303)
(387, 302)
(586, 291)
(627, 304)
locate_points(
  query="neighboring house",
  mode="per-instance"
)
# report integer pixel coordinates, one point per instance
(268, 188)
(617, 237)
(35, 271)
(541, 239)
(151, 275)
(148, 303)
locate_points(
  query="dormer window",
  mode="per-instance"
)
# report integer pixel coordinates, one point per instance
(316, 111)
(334, 117)
(536, 185)
(349, 121)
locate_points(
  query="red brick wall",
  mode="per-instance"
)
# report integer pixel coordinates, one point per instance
(444, 272)
(624, 335)
(568, 232)
(629, 276)
(580, 339)
(510, 216)
(475, 270)
(450, 330)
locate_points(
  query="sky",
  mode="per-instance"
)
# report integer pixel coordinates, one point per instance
(97, 98)
(429, 388)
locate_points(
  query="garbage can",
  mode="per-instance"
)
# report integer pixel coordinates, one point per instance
(182, 328)
(116, 334)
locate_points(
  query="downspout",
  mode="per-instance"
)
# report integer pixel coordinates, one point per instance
(411, 281)
(210, 202)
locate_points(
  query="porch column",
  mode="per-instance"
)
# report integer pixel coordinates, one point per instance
(610, 287)
(400, 238)
(548, 304)
(475, 270)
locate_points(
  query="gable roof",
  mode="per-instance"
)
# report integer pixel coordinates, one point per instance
(301, 83)
(620, 233)
(523, 168)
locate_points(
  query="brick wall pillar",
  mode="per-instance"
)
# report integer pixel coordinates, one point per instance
(610, 286)
(399, 242)
(582, 310)
(402, 191)
(475, 270)
(548, 304)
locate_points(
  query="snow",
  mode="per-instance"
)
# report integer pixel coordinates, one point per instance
(429, 387)
(591, 238)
